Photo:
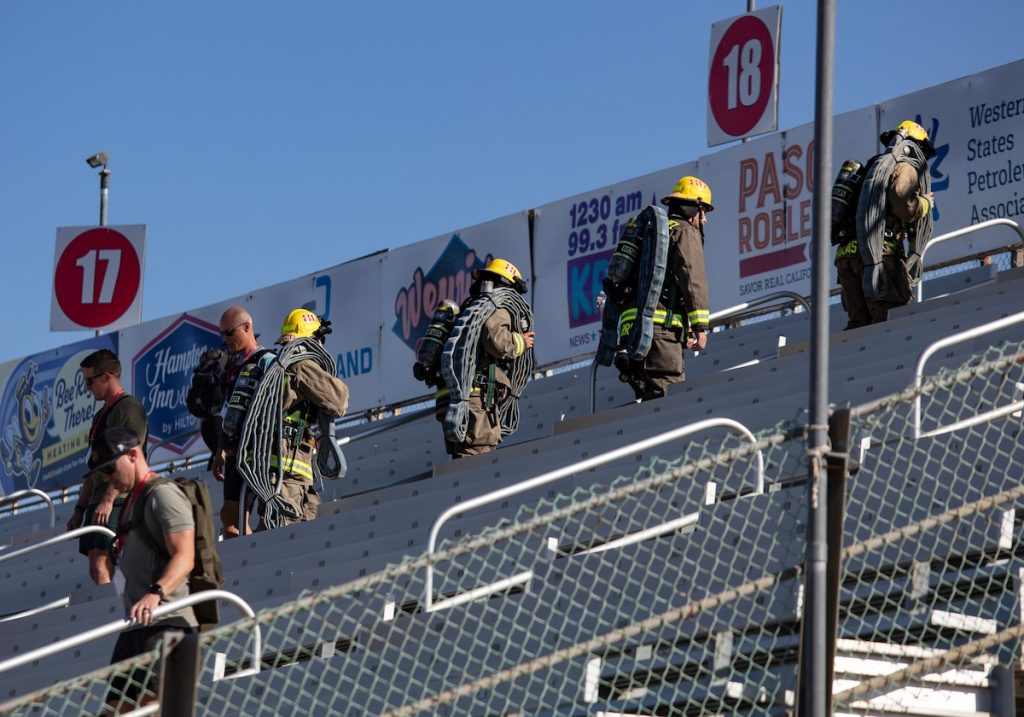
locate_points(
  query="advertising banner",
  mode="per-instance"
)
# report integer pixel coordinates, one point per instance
(45, 414)
(160, 357)
(418, 276)
(349, 296)
(977, 126)
(573, 240)
(759, 236)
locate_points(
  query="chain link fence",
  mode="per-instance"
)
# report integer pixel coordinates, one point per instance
(675, 589)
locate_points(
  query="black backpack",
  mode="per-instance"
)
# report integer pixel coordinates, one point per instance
(206, 394)
(206, 573)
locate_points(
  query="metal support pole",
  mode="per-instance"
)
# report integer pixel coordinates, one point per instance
(838, 469)
(180, 663)
(104, 195)
(814, 687)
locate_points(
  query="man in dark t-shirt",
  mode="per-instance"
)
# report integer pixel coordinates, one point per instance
(98, 502)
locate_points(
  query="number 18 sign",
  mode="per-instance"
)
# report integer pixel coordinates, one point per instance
(97, 277)
(743, 77)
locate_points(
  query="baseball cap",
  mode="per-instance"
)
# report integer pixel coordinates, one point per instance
(111, 445)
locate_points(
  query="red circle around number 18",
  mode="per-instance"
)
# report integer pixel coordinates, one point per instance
(97, 277)
(742, 72)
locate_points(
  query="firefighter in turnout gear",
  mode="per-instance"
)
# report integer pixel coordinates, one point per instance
(485, 362)
(295, 395)
(681, 317)
(893, 214)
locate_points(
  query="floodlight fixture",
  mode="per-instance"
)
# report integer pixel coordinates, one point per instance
(100, 159)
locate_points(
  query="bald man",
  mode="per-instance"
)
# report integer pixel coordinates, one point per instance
(236, 331)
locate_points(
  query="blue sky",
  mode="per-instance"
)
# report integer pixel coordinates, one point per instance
(261, 141)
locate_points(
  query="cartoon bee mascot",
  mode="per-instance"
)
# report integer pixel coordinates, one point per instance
(24, 435)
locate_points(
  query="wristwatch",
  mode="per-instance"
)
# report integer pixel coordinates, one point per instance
(155, 589)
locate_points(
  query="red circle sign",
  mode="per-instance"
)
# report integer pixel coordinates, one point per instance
(97, 277)
(742, 75)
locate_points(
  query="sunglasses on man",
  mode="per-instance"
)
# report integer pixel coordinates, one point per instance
(228, 333)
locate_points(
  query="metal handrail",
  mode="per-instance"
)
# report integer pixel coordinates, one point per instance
(17, 495)
(166, 441)
(959, 233)
(738, 309)
(767, 299)
(77, 532)
(120, 625)
(579, 467)
(951, 341)
(395, 423)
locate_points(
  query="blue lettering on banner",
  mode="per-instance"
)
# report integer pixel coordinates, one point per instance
(583, 280)
(162, 374)
(940, 180)
(357, 362)
(45, 414)
(325, 282)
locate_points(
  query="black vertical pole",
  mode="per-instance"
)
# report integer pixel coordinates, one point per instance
(813, 634)
(104, 195)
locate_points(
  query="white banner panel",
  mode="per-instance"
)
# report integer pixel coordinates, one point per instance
(573, 240)
(759, 236)
(159, 357)
(418, 276)
(348, 295)
(977, 126)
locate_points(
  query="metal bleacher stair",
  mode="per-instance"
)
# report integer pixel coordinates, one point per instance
(399, 481)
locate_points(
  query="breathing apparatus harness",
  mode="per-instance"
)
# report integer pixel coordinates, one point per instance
(635, 285)
(263, 433)
(871, 213)
(459, 361)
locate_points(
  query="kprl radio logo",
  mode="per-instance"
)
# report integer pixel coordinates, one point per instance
(162, 374)
(449, 278)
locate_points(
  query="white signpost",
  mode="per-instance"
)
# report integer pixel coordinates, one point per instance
(743, 76)
(97, 277)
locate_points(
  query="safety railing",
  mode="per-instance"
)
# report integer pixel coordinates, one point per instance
(930, 350)
(393, 423)
(761, 301)
(169, 440)
(551, 476)
(961, 232)
(120, 625)
(70, 535)
(33, 493)
(734, 311)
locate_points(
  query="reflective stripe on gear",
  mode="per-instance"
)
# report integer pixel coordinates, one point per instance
(661, 317)
(520, 345)
(294, 466)
(699, 318)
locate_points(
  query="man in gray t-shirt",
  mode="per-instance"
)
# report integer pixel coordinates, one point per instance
(156, 553)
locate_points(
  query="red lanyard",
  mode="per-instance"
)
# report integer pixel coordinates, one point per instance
(102, 413)
(129, 508)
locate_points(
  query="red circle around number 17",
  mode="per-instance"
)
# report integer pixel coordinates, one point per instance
(736, 113)
(87, 291)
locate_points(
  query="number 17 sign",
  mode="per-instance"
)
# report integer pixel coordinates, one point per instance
(743, 77)
(97, 277)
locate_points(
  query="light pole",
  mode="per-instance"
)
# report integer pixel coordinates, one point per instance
(101, 159)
